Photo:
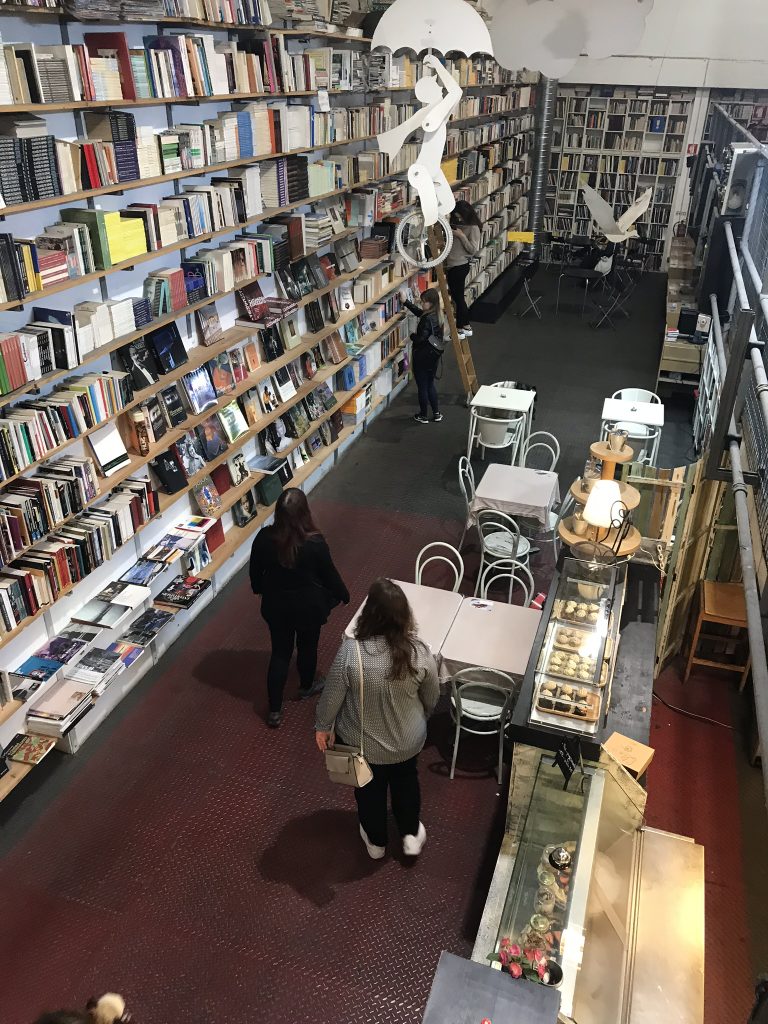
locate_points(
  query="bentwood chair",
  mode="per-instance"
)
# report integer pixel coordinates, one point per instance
(467, 485)
(500, 540)
(482, 700)
(545, 446)
(513, 573)
(444, 553)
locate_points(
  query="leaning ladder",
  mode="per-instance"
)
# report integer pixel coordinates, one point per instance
(460, 345)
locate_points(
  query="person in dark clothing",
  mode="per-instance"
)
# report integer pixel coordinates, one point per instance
(291, 567)
(428, 345)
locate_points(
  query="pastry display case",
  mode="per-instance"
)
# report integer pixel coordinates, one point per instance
(583, 879)
(574, 664)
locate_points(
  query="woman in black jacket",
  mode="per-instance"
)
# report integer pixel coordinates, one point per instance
(291, 567)
(428, 345)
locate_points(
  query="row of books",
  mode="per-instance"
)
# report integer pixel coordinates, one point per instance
(34, 579)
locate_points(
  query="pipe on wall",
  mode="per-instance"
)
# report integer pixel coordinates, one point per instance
(545, 116)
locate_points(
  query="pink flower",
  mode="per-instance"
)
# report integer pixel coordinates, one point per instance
(505, 942)
(539, 955)
(504, 957)
(541, 970)
(516, 970)
(515, 951)
(529, 954)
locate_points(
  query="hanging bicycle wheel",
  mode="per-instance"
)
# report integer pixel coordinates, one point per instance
(413, 241)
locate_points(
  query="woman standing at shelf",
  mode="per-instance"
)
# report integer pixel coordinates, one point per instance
(467, 235)
(429, 340)
(291, 567)
(400, 691)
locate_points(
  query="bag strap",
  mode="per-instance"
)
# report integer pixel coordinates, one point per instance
(362, 693)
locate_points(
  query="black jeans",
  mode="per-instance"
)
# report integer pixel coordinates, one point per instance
(456, 276)
(284, 635)
(425, 382)
(402, 780)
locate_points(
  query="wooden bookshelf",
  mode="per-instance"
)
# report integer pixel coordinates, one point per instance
(622, 144)
(199, 354)
(16, 773)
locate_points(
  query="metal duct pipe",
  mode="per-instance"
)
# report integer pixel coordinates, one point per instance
(758, 369)
(752, 598)
(545, 115)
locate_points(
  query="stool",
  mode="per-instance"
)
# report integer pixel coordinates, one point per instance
(721, 604)
(588, 277)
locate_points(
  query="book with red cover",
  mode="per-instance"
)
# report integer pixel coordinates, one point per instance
(215, 536)
(114, 44)
(221, 478)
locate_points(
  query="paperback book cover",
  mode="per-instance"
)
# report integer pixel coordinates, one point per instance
(38, 668)
(189, 452)
(143, 572)
(222, 374)
(127, 594)
(212, 438)
(199, 389)
(209, 324)
(128, 652)
(105, 614)
(64, 649)
(207, 497)
(244, 510)
(232, 421)
(238, 469)
(29, 749)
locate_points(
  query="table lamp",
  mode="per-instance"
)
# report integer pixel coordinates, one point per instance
(605, 510)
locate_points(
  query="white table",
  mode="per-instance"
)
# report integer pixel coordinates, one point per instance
(433, 609)
(518, 491)
(489, 634)
(505, 400)
(645, 414)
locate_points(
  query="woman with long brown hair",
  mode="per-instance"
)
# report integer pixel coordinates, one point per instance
(400, 691)
(291, 567)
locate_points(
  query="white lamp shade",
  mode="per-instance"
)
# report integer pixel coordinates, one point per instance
(601, 508)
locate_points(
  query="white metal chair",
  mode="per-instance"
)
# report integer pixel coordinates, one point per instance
(555, 516)
(454, 560)
(500, 540)
(515, 572)
(496, 433)
(649, 437)
(482, 700)
(549, 448)
(508, 384)
(467, 485)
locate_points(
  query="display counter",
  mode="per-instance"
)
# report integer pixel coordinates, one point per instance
(570, 684)
(623, 917)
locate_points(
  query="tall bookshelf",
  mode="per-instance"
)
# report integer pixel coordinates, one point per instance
(749, 107)
(489, 163)
(622, 141)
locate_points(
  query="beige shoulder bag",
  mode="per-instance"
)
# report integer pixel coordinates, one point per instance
(347, 765)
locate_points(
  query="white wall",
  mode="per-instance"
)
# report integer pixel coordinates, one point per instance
(694, 43)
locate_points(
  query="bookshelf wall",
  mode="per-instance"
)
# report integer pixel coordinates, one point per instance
(749, 107)
(348, 183)
(622, 140)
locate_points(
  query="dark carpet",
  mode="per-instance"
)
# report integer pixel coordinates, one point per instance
(201, 864)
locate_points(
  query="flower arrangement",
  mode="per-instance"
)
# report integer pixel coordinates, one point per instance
(532, 964)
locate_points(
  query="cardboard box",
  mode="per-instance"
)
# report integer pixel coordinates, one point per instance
(634, 756)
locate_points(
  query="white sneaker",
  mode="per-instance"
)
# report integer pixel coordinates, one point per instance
(467, 332)
(413, 845)
(462, 334)
(374, 852)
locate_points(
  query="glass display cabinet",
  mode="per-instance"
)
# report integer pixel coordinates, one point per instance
(574, 668)
(581, 878)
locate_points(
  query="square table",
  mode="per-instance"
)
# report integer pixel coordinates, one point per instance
(518, 491)
(645, 414)
(490, 634)
(433, 609)
(506, 400)
(649, 414)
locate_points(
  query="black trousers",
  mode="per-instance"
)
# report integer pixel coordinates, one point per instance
(402, 781)
(425, 384)
(284, 634)
(456, 276)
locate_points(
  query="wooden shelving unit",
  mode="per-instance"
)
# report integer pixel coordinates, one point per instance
(492, 186)
(621, 144)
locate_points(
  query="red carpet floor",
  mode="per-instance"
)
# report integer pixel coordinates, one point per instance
(201, 864)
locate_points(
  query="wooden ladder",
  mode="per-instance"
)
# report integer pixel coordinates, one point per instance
(460, 345)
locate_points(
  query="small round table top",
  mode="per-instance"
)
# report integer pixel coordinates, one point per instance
(600, 450)
(629, 494)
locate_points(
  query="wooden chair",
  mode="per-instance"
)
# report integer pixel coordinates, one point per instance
(721, 604)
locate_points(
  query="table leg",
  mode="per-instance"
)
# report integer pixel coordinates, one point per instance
(694, 645)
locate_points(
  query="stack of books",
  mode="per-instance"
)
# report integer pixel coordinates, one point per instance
(64, 703)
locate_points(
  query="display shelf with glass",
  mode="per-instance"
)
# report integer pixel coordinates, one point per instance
(574, 666)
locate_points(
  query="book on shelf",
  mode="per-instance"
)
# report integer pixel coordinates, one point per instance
(128, 653)
(97, 669)
(146, 627)
(207, 497)
(183, 591)
(127, 594)
(29, 749)
(103, 613)
(232, 421)
(221, 373)
(212, 438)
(109, 449)
(168, 471)
(209, 324)
(189, 453)
(61, 706)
